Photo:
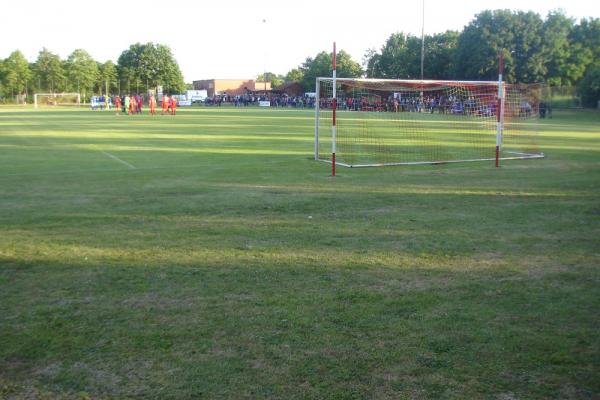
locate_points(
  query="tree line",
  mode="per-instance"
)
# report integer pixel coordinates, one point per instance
(556, 50)
(139, 68)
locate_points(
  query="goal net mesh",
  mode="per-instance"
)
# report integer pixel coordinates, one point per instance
(391, 122)
(56, 99)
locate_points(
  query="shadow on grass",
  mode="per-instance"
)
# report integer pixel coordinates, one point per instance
(296, 330)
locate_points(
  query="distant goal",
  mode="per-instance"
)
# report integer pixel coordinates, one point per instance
(56, 99)
(402, 122)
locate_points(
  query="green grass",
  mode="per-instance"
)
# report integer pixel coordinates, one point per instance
(375, 138)
(208, 256)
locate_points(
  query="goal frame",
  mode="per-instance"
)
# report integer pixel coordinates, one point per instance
(500, 86)
(35, 97)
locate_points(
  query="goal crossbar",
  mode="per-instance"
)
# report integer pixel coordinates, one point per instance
(408, 83)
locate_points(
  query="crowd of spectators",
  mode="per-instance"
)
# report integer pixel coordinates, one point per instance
(274, 100)
(486, 105)
(430, 104)
(436, 103)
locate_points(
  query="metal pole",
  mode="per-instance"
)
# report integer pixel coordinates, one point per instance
(500, 107)
(334, 109)
(265, 59)
(423, 41)
(317, 101)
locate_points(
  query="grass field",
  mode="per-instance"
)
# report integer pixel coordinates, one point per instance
(207, 255)
(372, 138)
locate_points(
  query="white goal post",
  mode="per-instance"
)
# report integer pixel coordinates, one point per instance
(56, 99)
(375, 122)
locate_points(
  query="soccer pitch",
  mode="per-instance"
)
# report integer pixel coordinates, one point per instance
(207, 255)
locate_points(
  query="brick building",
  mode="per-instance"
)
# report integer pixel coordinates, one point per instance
(290, 88)
(230, 86)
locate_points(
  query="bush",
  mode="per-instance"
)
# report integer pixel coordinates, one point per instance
(589, 87)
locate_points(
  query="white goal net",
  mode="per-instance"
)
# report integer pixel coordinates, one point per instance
(56, 99)
(395, 122)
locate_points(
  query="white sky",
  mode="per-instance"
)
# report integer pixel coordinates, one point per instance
(228, 38)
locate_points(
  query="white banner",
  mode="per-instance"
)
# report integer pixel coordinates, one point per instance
(264, 103)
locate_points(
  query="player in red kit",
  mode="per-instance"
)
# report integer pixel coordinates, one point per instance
(165, 105)
(173, 105)
(118, 104)
(152, 104)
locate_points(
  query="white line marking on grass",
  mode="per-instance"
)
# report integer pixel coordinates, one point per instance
(118, 159)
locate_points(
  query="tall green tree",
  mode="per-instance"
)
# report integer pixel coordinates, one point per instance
(400, 57)
(393, 61)
(107, 77)
(585, 48)
(439, 61)
(2, 73)
(168, 72)
(517, 34)
(367, 65)
(346, 66)
(557, 49)
(535, 50)
(321, 66)
(529, 63)
(129, 67)
(16, 74)
(479, 44)
(294, 75)
(313, 68)
(148, 65)
(587, 32)
(276, 80)
(49, 71)
(589, 87)
(82, 72)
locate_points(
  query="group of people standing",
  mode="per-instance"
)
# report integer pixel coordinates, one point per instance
(133, 104)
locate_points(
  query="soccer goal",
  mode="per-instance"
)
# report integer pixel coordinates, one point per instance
(375, 122)
(56, 99)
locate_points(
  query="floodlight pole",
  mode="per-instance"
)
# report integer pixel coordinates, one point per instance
(265, 59)
(423, 41)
